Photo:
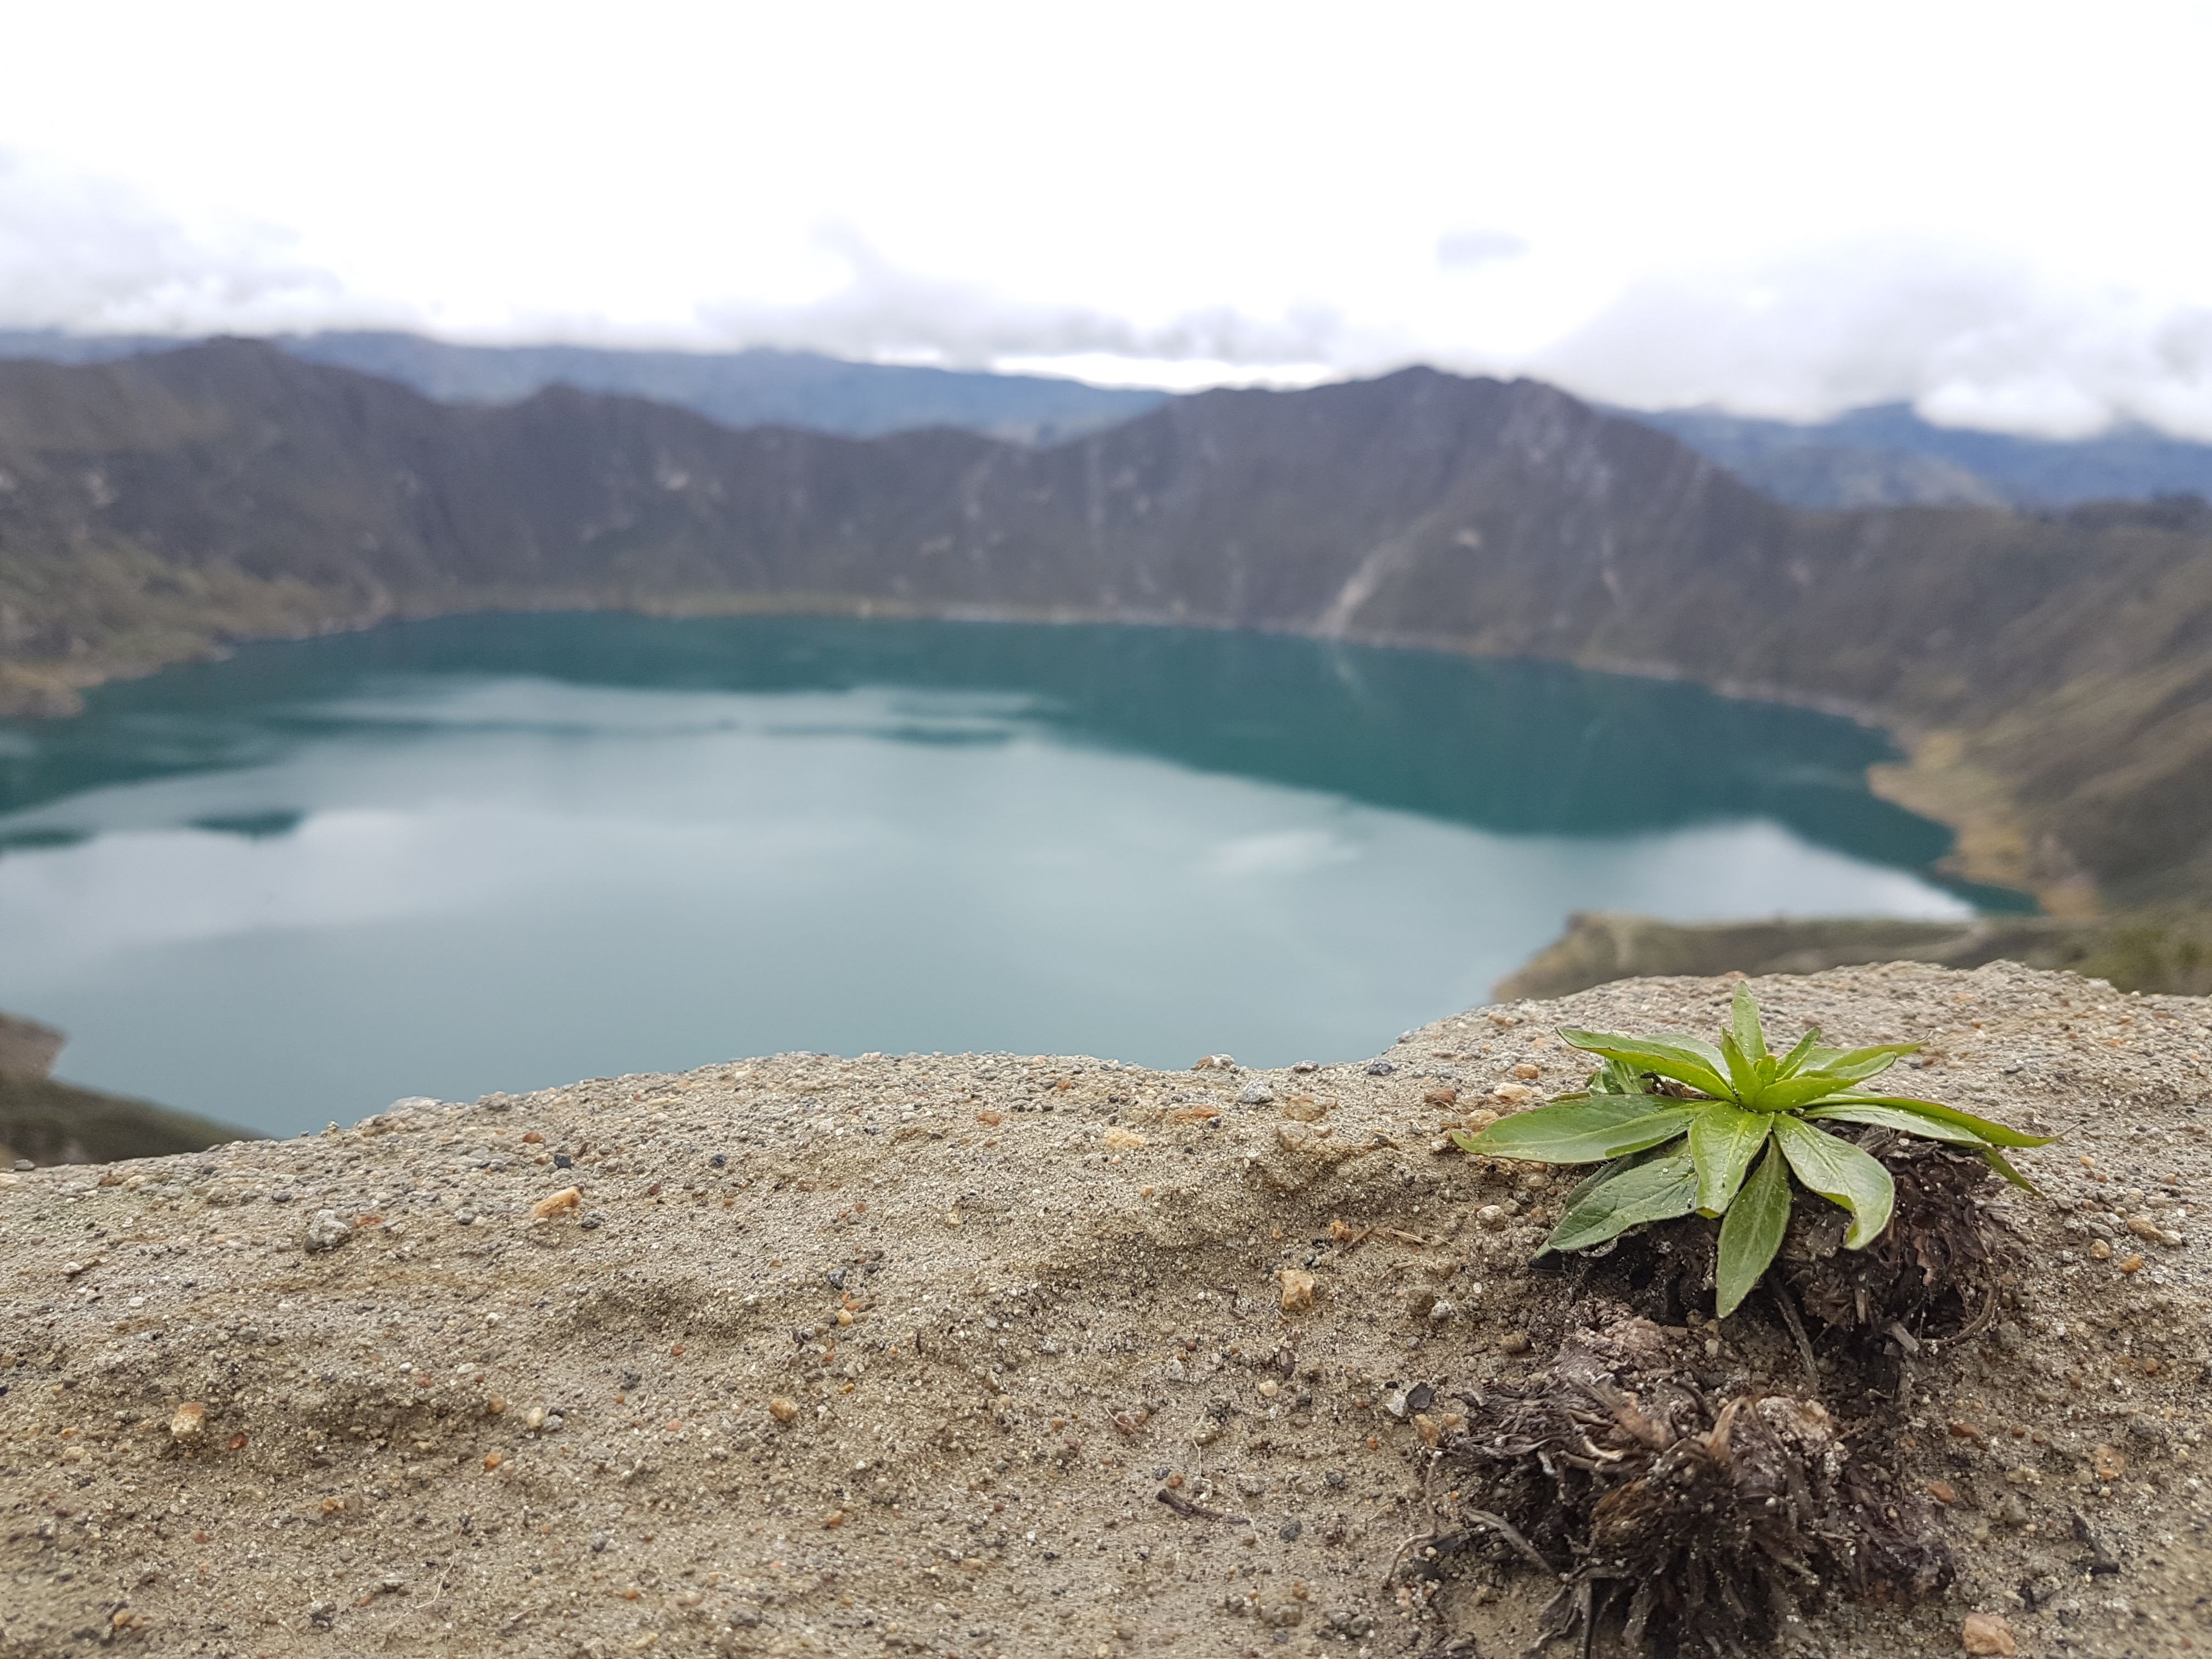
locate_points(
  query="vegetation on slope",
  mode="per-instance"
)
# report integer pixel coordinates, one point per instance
(52, 1122)
(2169, 952)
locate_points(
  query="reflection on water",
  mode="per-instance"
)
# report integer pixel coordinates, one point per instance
(502, 852)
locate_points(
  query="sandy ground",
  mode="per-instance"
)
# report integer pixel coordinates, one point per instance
(898, 1354)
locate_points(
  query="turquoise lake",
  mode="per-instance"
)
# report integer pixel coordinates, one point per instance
(504, 852)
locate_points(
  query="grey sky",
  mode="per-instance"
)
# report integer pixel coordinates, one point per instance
(1988, 208)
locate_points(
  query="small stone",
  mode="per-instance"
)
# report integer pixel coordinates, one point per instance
(1513, 1342)
(1270, 1388)
(1306, 1066)
(1255, 1094)
(492, 1460)
(784, 1411)
(600, 1541)
(1490, 1216)
(2131, 1264)
(23, 1165)
(188, 1422)
(2100, 1251)
(2109, 1462)
(1512, 1094)
(1214, 1063)
(1380, 1067)
(567, 1199)
(1442, 1097)
(1986, 1633)
(327, 1231)
(1123, 1140)
(2021, 1475)
(466, 1218)
(1525, 1070)
(1298, 1287)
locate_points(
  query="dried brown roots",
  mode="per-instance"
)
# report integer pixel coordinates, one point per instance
(1672, 1517)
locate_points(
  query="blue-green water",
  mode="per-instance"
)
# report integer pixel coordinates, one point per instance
(504, 852)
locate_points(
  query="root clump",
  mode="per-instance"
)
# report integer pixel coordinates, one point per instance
(1673, 1516)
(1934, 1271)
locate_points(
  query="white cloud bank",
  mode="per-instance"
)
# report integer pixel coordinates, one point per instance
(1986, 208)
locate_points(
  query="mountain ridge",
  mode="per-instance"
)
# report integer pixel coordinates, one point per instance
(2050, 674)
(759, 385)
(1882, 454)
(1888, 455)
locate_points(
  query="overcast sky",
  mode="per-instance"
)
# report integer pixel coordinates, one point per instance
(1994, 210)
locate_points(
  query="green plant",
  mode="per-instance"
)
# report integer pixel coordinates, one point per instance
(1688, 1142)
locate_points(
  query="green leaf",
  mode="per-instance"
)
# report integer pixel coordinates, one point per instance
(1889, 1117)
(1656, 1189)
(1796, 1057)
(1856, 1065)
(1752, 1231)
(1744, 1026)
(1997, 1161)
(1803, 1089)
(1996, 1133)
(1723, 1139)
(1585, 1129)
(1841, 1173)
(1617, 1077)
(1743, 1076)
(1599, 1176)
(1686, 1059)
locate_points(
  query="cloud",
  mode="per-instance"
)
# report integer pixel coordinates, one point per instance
(885, 311)
(1970, 339)
(1463, 250)
(92, 256)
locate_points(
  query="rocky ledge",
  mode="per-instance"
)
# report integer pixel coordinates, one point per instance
(996, 1355)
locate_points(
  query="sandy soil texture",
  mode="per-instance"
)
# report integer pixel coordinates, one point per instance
(995, 1355)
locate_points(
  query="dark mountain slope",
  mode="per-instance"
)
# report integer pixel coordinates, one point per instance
(759, 386)
(2049, 673)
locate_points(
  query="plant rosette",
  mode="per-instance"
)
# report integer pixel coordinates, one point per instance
(1679, 1125)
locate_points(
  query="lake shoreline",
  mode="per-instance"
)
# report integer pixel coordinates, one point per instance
(1992, 836)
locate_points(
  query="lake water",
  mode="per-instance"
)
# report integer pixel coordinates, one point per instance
(497, 853)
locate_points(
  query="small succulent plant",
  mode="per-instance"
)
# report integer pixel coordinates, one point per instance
(1682, 1125)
